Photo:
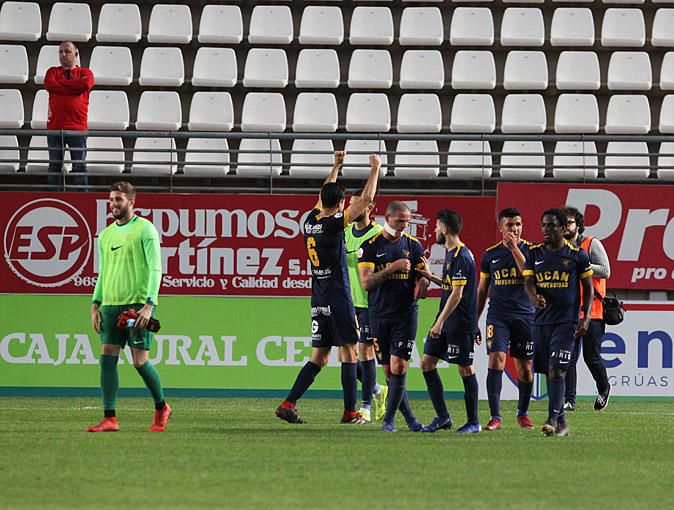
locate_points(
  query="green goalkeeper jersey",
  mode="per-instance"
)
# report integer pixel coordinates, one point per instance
(353, 239)
(129, 264)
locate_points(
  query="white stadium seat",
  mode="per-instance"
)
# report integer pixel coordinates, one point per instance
(214, 67)
(311, 165)
(667, 72)
(9, 150)
(370, 69)
(161, 66)
(419, 113)
(11, 109)
(220, 24)
(154, 156)
(119, 23)
(371, 25)
(111, 65)
(69, 22)
(575, 161)
(471, 26)
(578, 70)
(422, 69)
(264, 161)
(523, 113)
(20, 21)
(322, 24)
(473, 113)
(357, 166)
(38, 118)
(271, 24)
(315, 111)
(368, 113)
(662, 34)
(417, 166)
(38, 155)
(623, 27)
(211, 111)
(522, 26)
(525, 70)
(469, 159)
(263, 111)
(572, 26)
(105, 155)
(421, 26)
(108, 109)
(629, 70)
(48, 57)
(473, 70)
(207, 164)
(159, 111)
(666, 126)
(665, 159)
(628, 115)
(620, 166)
(266, 67)
(14, 63)
(577, 113)
(317, 69)
(522, 160)
(170, 24)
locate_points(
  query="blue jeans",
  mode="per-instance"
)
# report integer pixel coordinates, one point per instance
(78, 151)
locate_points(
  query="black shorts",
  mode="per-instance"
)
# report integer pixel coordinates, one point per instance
(364, 325)
(455, 345)
(553, 345)
(333, 323)
(393, 336)
(514, 333)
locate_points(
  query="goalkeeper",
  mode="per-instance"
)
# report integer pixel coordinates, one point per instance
(129, 277)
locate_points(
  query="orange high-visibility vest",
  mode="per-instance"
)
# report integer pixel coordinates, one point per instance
(599, 284)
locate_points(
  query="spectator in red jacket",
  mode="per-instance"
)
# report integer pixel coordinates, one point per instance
(68, 86)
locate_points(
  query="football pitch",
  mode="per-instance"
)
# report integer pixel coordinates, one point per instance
(234, 453)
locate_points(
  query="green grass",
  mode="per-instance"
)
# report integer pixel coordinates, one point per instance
(234, 453)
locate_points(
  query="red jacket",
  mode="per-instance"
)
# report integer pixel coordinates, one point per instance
(68, 98)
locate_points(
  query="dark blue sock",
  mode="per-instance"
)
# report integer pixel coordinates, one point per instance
(525, 389)
(470, 397)
(359, 370)
(349, 386)
(369, 380)
(494, 385)
(406, 409)
(555, 397)
(436, 392)
(304, 379)
(396, 391)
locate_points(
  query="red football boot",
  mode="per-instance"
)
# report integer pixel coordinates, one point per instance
(494, 424)
(524, 422)
(288, 412)
(160, 419)
(353, 417)
(107, 425)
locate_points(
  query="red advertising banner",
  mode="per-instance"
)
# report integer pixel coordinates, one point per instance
(236, 245)
(634, 222)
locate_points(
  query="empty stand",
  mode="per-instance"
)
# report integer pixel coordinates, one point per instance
(627, 160)
(38, 118)
(215, 67)
(220, 24)
(667, 72)
(421, 26)
(576, 113)
(473, 70)
(473, 113)
(419, 113)
(629, 70)
(14, 63)
(525, 70)
(69, 22)
(522, 26)
(159, 111)
(575, 161)
(469, 159)
(370, 69)
(20, 21)
(321, 24)
(665, 159)
(9, 150)
(522, 160)
(264, 160)
(316, 161)
(371, 25)
(170, 24)
(211, 111)
(628, 115)
(112, 65)
(11, 108)
(119, 23)
(266, 67)
(471, 26)
(572, 26)
(368, 113)
(154, 156)
(417, 166)
(317, 68)
(662, 34)
(105, 155)
(108, 109)
(523, 113)
(623, 27)
(271, 24)
(422, 69)
(578, 70)
(207, 157)
(163, 67)
(357, 162)
(263, 111)
(315, 111)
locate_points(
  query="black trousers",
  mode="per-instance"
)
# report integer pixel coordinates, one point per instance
(591, 343)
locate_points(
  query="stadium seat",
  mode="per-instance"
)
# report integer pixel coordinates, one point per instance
(111, 65)
(108, 109)
(69, 22)
(421, 26)
(572, 26)
(266, 67)
(417, 166)
(368, 113)
(665, 159)
(315, 111)
(311, 165)
(105, 155)
(357, 160)
(662, 34)
(371, 25)
(9, 150)
(38, 118)
(469, 159)
(578, 70)
(119, 23)
(170, 24)
(317, 69)
(622, 167)
(522, 160)
(473, 70)
(623, 27)
(265, 161)
(220, 24)
(162, 66)
(370, 69)
(577, 113)
(207, 164)
(271, 24)
(263, 111)
(214, 67)
(473, 113)
(20, 21)
(629, 70)
(522, 26)
(628, 115)
(575, 161)
(422, 69)
(211, 111)
(523, 113)
(471, 26)
(48, 57)
(14, 63)
(38, 156)
(419, 113)
(154, 156)
(667, 72)
(159, 111)
(525, 70)
(666, 126)
(322, 24)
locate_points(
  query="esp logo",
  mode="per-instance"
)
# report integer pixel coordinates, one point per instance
(47, 242)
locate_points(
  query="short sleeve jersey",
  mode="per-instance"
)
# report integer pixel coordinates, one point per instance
(354, 238)
(557, 276)
(508, 297)
(324, 239)
(395, 296)
(459, 270)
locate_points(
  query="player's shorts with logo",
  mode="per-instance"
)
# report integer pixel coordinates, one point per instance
(111, 334)
(454, 345)
(364, 326)
(553, 345)
(514, 333)
(393, 336)
(333, 322)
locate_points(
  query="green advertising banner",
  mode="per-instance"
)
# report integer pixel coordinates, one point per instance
(207, 346)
